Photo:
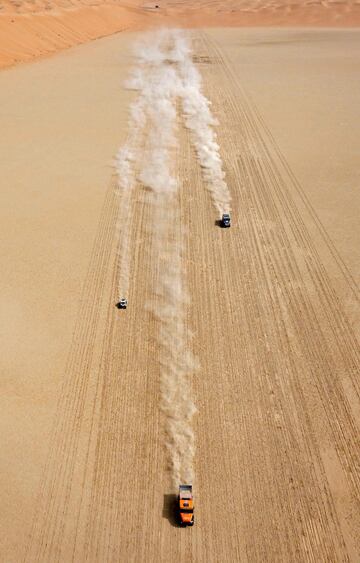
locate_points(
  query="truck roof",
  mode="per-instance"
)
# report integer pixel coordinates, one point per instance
(185, 491)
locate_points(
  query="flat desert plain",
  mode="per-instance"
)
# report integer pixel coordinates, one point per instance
(273, 309)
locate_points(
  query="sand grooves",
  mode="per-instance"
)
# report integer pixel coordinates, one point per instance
(303, 354)
(153, 115)
(87, 429)
(277, 393)
(99, 448)
(76, 407)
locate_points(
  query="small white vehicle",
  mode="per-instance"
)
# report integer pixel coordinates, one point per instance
(122, 303)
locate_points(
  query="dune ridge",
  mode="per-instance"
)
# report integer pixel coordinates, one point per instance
(30, 30)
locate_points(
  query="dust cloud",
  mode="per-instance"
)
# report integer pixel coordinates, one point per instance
(124, 163)
(167, 82)
(200, 121)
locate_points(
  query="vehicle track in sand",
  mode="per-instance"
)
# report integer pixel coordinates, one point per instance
(76, 400)
(299, 318)
(128, 440)
(277, 431)
(325, 296)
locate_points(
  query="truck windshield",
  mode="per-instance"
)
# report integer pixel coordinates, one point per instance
(187, 510)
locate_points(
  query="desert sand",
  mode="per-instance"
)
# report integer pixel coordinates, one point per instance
(36, 28)
(274, 310)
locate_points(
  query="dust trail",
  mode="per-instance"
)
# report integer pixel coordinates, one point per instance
(200, 121)
(169, 307)
(154, 113)
(170, 49)
(124, 163)
(127, 159)
(165, 74)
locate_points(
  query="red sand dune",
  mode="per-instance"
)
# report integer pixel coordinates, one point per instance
(35, 28)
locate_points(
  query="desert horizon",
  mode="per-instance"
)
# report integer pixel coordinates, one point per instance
(33, 29)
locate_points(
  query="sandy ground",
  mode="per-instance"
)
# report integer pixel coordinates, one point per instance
(35, 28)
(274, 311)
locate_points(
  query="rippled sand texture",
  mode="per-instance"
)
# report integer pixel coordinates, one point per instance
(272, 314)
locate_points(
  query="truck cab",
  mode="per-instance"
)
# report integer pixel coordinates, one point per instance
(186, 505)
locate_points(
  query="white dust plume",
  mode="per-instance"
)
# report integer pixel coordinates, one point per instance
(124, 163)
(155, 114)
(165, 62)
(200, 121)
(167, 82)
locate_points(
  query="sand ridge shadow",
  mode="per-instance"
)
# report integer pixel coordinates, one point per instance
(170, 510)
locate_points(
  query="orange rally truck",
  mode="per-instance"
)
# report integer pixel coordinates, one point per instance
(186, 505)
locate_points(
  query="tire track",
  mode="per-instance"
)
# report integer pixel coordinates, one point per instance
(345, 339)
(270, 331)
(295, 220)
(342, 331)
(55, 488)
(213, 466)
(286, 288)
(116, 441)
